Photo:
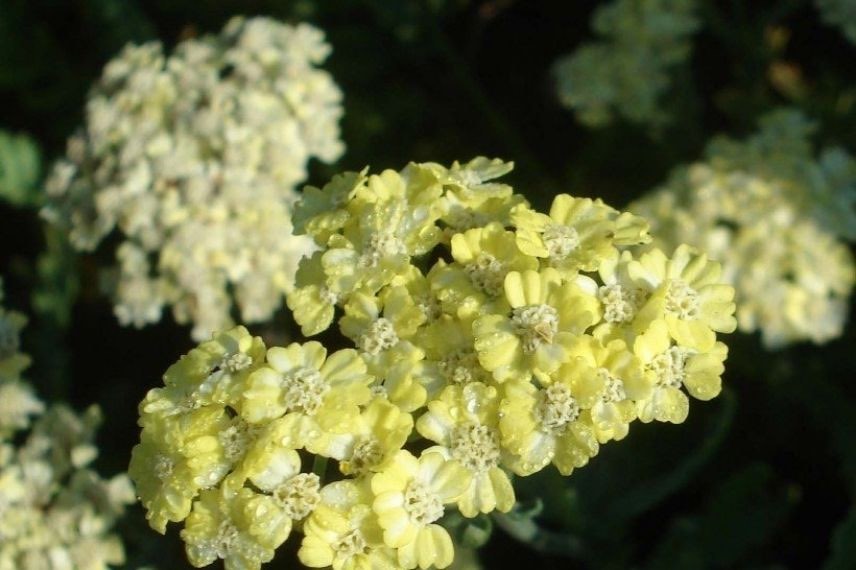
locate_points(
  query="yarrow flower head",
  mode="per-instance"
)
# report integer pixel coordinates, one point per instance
(55, 510)
(770, 212)
(627, 71)
(193, 158)
(489, 340)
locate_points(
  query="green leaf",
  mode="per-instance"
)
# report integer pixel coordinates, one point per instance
(20, 169)
(744, 513)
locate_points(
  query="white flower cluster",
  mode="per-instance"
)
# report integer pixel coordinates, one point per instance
(840, 13)
(755, 206)
(17, 401)
(55, 512)
(627, 71)
(194, 158)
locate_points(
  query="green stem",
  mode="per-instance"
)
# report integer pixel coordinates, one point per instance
(319, 467)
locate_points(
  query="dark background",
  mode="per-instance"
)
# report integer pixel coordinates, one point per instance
(762, 477)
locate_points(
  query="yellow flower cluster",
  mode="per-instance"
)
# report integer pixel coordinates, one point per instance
(769, 211)
(55, 511)
(490, 340)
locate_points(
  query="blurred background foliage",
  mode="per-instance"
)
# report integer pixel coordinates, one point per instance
(764, 477)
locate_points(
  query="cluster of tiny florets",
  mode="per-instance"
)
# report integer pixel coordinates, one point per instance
(628, 70)
(507, 339)
(773, 214)
(194, 157)
(55, 510)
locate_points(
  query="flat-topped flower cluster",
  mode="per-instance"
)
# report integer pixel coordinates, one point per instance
(194, 157)
(773, 213)
(628, 70)
(55, 510)
(489, 340)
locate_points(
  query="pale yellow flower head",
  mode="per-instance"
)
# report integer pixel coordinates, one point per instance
(482, 340)
(773, 215)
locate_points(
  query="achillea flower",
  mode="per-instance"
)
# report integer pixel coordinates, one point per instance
(483, 257)
(315, 391)
(515, 349)
(534, 335)
(209, 141)
(54, 508)
(410, 495)
(767, 211)
(687, 295)
(221, 527)
(627, 71)
(671, 367)
(177, 457)
(464, 422)
(343, 531)
(546, 425)
(578, 235)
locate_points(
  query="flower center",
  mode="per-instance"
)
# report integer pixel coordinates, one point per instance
(429, 306)
(328, 296)
(423, 506)
(163, 467)
(613, 388)
(560, 240)
(535, 325)
(486, 274)
(379, 336)
(557, 408)
(462, 367)
(350, 544)
(681, 300)
(367, 454)
(304, 390)
(378, 390)
(619, 303)
(221, 374)
(227, 534)
(233, 363)
(382, 244)
(235, 439)
(476, 446)
(299, 495)
(669, 366)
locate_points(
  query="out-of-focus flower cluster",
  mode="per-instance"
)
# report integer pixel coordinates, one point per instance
(839, 13)
(627, 71)
(771, 212)
(490, 340)
(56, 513)
(194, 158)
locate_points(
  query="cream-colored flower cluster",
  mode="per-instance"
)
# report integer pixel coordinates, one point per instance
(490, 340)
(17, 400)
(194, 157)
(769, 212)
(56, 512)
(628, 70)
